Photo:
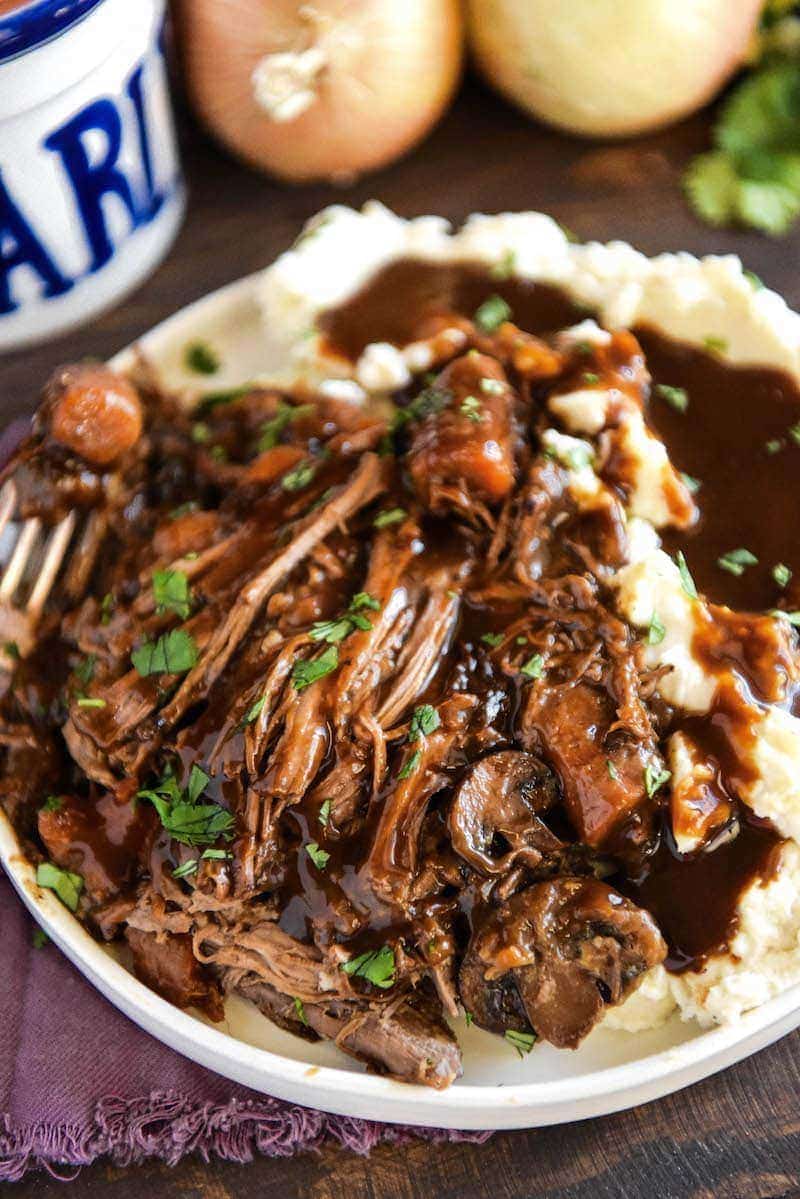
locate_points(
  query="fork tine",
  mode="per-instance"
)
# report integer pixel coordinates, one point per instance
(54, 556)
(19, 559)
(8, 499)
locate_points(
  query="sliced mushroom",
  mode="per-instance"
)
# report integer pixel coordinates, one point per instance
(493, 818)
(554, 956)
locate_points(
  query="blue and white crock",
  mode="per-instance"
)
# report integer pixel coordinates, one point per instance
(90, 187)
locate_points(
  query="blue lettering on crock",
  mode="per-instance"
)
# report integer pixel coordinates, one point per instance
(90, 182)
(20, 246)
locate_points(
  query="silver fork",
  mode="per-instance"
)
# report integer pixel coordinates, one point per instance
(35, 557)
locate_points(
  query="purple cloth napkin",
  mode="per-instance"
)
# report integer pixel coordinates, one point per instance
(79, 1080)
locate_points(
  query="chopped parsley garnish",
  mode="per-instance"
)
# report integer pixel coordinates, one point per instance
(309, 670)
(792, 617)
(504, 268)
(376, 966)
(215, 855)
(66, 885)
(492, 639)
(392, 516)
(11, 649)
(753, 279)
(781, 574)
(53, 803)
(334, 631)
(575, 457)
(212, 399)
(687, 582)
(218, 453)
(318, 856)
(471, 408)
(173, 653)
(492, 314)
(299, 478)
(201, 358)
(187, 868)
(467, 1017)
(794, 433)
(613, 773)
(84, 671)
(691, 484)
(272, 429)
(39, 938)
(590, 377)
(254, 711)
(736, 561)
(534, 667)
(717, 345)
(171, 592)
(655, 777)
(655, 631)
(106, 608)
(676, 397)
(324, 814)
(200, 432)
(89, 701)
(523, 1042)
(424, 721)
(492, 387)
(300, 1011)
(183, 509)
(774, 445)
(430, 400)
(411, 765)
(186, 820)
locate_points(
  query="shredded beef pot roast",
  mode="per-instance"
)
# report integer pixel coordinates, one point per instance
(333, 710)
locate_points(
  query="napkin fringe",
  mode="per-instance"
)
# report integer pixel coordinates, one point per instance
(169, 1125)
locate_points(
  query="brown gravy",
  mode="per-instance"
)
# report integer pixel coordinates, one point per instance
(736, 439)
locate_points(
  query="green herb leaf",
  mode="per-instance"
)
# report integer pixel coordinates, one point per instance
(654, 778)
(774, 445)
(504, 267)
(201, 358)
(173, 653)
(53, 803)
(492, 639)
(183, 510)
(781, 574)
(39, 938)
(691, 484)
(254, 711)
(717, 345)
(300, 1011)
(656, 631)
(613, 773)
(318, 856)
(106, 608)
(467, 1017)
(492, 314)
(736, 561)
(492, 387)
(187, 868)
(534, 667)
(424, 721)
(88, 701)
(324, 814)
(64, 883)
(272, 429)
(11, 650)
(186, 820)
(377, 966)
(362, 599)
(392, 516)
(676, 397)
(792, 617)
(523, 1042)
(215, 855)
(471, 408)
(309, 670)
(794, 433)
(300, 477)
(85, 669)
(687, 582)
(590, 378)
(200, 432)
(171, 592)
(332, 631)
(755, 282)
(411, 765)
(198, 781)
(213, 399)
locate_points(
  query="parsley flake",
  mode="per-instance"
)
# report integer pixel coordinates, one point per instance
(676, 397)
(186, 820)
(201, 358)
(656, 632)
(411, 765)
(794, 433)
(534, 667)
(424, 721)
(591, 378)
(523, 1042)
(300, 1011)
(85, 669)
(774, 445)
(271, 430)
(736, 561)
(716, 345)
(324, 814)
(185, 869)
(11, 650)
(792, 617)
(492, 314)
(53, 803)
(392, 516)
(173, 653)
(300, 477)
(504, 267)
(39, 938)
(691, 484)
(687, 582)
(471, 408)
(254, 711)
(66, 885)
(613, 773)
(171, 592)
(655, 777)
(781, 574)
(492, 639)
(376, 966)
(309, 670)
(492, 387)
(89, 701)
(318, 856)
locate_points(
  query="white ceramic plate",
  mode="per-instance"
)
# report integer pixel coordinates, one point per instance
(610, 1071)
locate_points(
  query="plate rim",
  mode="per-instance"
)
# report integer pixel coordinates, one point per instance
(364, 1095)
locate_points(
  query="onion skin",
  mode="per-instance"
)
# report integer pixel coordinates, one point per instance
(610, 68)
(393, 70)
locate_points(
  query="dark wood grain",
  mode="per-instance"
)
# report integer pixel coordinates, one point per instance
(736, 1136)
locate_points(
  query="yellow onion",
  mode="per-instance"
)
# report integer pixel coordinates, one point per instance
(610, 67)
(325, 90)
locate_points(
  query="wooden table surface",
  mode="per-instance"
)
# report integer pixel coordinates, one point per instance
(736, 1136)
